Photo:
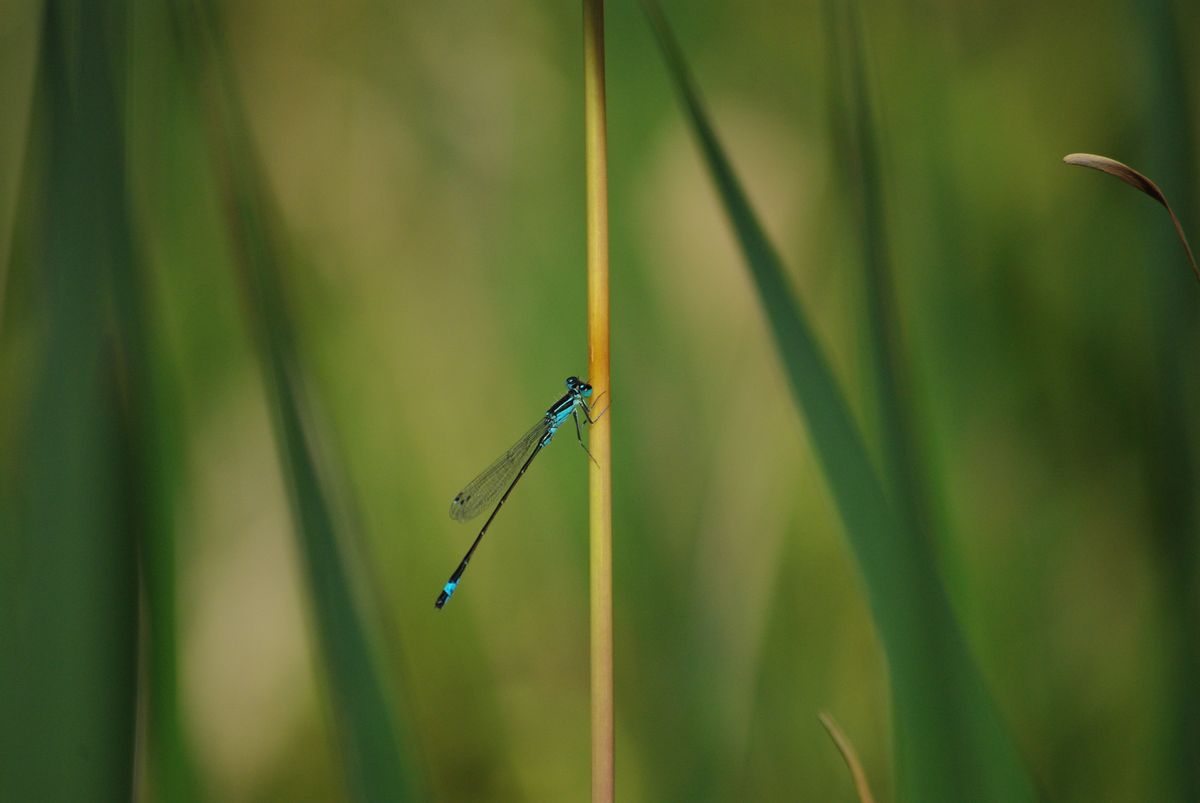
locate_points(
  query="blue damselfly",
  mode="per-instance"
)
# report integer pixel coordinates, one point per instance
(504, 474)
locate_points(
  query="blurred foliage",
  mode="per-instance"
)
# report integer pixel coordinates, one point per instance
(425, 164)
(950, 743)
(69, 518)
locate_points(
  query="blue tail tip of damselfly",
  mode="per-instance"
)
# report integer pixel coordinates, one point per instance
(445, 595)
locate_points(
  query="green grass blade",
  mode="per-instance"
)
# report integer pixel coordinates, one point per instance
(901, 458)
(1171, 462)
(68, 618)
(152, 422)
(18, 59)
(951, 744)
(369, 742)
(1171, 465)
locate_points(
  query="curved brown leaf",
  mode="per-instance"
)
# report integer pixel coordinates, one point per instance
(1138, 181)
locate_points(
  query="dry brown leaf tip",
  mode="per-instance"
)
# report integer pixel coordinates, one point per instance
(1120, 170)
(1140, 182)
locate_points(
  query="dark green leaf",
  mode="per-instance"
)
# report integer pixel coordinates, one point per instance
(68, 666)
(951, 744)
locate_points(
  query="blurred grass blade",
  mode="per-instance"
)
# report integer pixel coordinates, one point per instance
(68, 611)
(901, 458)
(153, 420)
(861, 787)
(18, 61)
(1169, 149)
(1170, 477)
(951, 743)
(1139, 182)
(151, 424)
(370, 753)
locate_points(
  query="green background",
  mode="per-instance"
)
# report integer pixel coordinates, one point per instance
(424, 167)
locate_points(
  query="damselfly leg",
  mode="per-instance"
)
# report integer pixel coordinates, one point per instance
(579, 436)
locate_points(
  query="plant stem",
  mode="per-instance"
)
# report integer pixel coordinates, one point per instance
(600, 476)
(850, 756)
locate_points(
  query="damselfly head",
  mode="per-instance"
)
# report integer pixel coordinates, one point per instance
(577, 385)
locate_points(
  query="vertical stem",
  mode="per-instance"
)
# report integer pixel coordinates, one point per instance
(600, 476)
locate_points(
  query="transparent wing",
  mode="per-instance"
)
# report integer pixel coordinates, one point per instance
(484, 489)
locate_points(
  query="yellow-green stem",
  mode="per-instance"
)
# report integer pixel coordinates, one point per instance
(600, 477)
(846, 748)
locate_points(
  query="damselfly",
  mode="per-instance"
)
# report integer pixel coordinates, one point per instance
(506, 472)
